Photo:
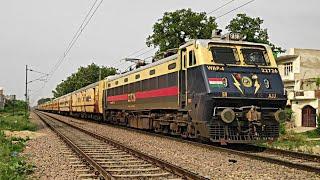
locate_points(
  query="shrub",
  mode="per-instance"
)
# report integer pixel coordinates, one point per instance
(12, 166)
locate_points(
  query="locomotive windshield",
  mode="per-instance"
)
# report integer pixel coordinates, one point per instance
(254, 56)
(224, 55)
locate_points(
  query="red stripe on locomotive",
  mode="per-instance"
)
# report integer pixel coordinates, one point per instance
(169, 91)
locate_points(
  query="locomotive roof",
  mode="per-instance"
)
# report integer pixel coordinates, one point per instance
(170, 58)
(206, 42)
(86, 87)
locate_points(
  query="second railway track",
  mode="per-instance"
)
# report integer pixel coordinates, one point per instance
(112, 160)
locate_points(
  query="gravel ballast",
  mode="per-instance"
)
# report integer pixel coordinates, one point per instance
(45, 153)
(208, 163)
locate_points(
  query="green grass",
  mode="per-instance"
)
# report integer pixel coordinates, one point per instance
(12, 165)
(15, 123)
(294, 141)
(311, 134)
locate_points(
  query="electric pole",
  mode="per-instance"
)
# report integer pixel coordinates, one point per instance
(26, 92)
(41, 78)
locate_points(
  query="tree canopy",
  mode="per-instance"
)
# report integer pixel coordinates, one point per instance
(43, 100)
(251, 28)
(175, 28)
(83, 77)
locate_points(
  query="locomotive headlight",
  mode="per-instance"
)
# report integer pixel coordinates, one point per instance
(228, 115)
(266, 83)
(235, 36)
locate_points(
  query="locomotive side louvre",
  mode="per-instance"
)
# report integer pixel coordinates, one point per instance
(141, 98)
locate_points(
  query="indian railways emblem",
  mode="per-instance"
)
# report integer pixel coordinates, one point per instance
(246, 81)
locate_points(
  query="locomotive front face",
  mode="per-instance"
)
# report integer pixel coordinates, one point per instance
(244, 94)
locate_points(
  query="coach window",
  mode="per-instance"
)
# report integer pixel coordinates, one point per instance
(192, 58)
(152, 72)
(137, 76)
(172, 66)
(125, 80)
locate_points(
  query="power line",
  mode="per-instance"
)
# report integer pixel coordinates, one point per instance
(220, 7)
(77, 35)
(145, 52)
(235, 9)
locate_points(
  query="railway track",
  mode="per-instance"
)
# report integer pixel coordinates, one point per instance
(112, 160)
(297, 160)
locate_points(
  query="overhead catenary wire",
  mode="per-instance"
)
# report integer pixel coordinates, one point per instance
(74, 39)
(220, 7)
(235, 9)
(76, 36)
(83, 25)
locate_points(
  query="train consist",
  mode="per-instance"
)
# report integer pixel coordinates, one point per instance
(222, 89)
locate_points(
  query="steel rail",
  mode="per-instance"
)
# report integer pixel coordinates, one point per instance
(76, 149)
(298, 155)
(185, 174)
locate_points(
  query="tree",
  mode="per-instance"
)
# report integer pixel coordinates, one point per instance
(83, 77)
(43, 100)
(175, 28)
(251, 29)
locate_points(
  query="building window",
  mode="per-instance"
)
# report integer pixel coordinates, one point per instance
(287, 68)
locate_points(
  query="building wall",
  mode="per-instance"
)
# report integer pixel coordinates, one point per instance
(297, 106)
(310, 63)
(305, 68)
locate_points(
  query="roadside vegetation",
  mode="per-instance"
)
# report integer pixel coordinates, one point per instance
(12, 165)
(308, 142)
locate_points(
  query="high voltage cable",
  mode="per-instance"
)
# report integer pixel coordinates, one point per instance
(131, 54)
(145, 52)
(235, 9)
(220, 7)
(80, 30)
(77, 35)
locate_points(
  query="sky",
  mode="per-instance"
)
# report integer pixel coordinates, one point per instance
(37, 32)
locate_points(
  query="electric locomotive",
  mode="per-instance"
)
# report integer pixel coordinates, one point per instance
(221, 89)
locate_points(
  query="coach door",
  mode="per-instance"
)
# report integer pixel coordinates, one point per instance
(183, 79)
(308, 116)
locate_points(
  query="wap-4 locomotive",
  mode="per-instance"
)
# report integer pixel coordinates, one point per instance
(218, 89)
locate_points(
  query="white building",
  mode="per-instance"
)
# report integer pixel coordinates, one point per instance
(300, 72)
